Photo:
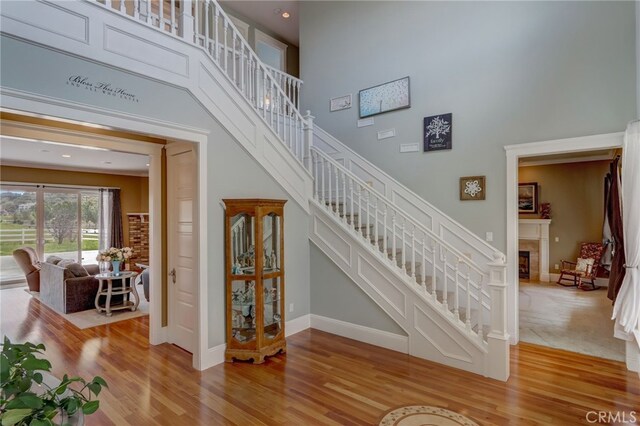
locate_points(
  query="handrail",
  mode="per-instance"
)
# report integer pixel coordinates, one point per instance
(488, 247)
(287, 75)
(289, 83)
(413, 221)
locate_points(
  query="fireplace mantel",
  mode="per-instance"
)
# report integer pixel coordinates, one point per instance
(537, 230)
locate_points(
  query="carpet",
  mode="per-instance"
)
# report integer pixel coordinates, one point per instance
(423, 415)
(91, 318)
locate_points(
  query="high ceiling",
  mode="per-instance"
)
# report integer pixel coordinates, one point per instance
(43, 154)
(268, 13)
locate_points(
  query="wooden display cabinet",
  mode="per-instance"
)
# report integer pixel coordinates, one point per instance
(254, 278)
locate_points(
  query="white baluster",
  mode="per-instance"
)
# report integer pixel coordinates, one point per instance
(480, 313)
(337, 197)
(413, 252)
(344, 197)
(433, 271)
(123, 7)
(423, 258)
(136, 9)
(272, 101)
(351, 196)
(330, 195)
(445, 297)
(323, 199)
(468, 282)
(384, 229)
(234, 74)
(160, 15)
(368, 201)
(375, 225)
(393, 241)
(456, 302)
(403, 241)
(196, 21)
(216, 35)
(148, 17)
(224, 47)
(173, 16)
(265, 94)
(359, 227)
(242, 68)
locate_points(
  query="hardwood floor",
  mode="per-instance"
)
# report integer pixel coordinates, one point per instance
(323, 379)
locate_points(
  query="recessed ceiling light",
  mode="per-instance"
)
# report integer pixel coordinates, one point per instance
(66, 155)
(285, 15)
(147, 164)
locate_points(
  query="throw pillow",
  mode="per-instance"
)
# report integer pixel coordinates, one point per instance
(53, 259)
(584, 265)
(78, 270)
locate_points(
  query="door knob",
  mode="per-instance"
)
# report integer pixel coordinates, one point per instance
(172, 274)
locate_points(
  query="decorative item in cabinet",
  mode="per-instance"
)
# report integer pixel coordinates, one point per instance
(254, 278)
(139, 237)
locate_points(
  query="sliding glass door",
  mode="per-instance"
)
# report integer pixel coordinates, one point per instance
(17, 227)
(54, 221)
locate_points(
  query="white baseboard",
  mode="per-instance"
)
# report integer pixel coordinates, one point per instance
(602, 282)
(215, 355)
(384, 339)
(296, 325)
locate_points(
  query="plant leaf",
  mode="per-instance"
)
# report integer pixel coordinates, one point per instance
(40, 422)
(37, 377)
(100, 381)
(33, 363)
(95, 388)
(90, 407)
(12, 417)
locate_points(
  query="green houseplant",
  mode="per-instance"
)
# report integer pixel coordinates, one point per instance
(26, 399)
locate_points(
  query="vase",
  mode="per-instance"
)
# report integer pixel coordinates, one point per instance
(116, 267)
(104, 266)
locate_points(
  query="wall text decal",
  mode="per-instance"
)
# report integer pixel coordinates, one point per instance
(101, 87)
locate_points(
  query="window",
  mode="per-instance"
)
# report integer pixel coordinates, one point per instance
(271, 51)
(60, 221)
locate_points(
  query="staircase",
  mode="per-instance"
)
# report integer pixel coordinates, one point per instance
(442, 284)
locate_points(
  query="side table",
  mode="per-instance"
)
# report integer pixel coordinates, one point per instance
(124, 285)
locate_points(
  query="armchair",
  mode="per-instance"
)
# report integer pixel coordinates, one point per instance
(585, 269)
(27, 260)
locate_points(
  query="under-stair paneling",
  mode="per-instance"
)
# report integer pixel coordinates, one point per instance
(334, 295)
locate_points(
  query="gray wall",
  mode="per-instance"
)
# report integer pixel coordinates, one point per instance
(510, 72)
(335, 295)
(232, 173)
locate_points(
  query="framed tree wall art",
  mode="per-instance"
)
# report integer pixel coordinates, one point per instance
(437, 132)
(528, 198)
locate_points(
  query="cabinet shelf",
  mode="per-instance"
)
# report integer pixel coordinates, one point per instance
(255, 293)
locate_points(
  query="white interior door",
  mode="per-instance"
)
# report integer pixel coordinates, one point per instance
(182, 235)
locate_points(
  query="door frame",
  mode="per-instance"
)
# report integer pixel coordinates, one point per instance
(31, 104)
(171, 210)
(514, 153)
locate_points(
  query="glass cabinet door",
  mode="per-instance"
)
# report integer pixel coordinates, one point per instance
(243, 307)
(271, 243)
(272, 307)
(243, 245)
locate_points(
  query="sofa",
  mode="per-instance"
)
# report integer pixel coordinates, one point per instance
(67, 286)
(27, 260)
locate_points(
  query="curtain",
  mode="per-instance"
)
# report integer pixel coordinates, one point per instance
(607, 236)
(110, 219)
(626, 310)
(616, 273)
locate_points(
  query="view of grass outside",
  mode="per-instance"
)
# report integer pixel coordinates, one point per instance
(18, 225)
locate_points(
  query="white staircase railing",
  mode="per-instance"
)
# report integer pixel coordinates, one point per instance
(205, 24)
(426, 261)
(290, 84)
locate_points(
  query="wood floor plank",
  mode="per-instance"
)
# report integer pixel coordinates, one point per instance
(323, 379)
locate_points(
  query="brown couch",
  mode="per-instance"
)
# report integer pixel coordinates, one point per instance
(27, 260)
(69, 287)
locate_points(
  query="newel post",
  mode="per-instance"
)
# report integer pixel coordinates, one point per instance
(185, 21)
(498, 339)
(308, 138)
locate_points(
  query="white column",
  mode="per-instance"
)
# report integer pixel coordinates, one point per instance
(544, 252)
(497, 366)
(308, 138)
(185, 21)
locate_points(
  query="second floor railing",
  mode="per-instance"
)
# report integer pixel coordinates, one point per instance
(205, 24)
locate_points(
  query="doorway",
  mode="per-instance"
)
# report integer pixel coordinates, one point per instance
(515, 153)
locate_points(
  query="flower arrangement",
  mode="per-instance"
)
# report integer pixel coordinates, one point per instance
(115, 254)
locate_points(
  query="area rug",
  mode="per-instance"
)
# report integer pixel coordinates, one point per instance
(91, 318)
(423, 415)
